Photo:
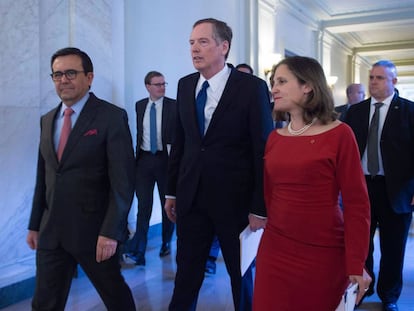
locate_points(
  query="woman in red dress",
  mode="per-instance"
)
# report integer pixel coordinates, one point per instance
(310, 250)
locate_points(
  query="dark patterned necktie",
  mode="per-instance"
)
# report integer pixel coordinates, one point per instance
(372, 145)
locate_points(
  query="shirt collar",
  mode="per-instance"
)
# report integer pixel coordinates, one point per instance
(156, 102)
(77, 107)
(217, 80)
(386, 101)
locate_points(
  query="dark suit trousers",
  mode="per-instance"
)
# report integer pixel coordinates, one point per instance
(150, 169)
(54, 273)
(247, 279)
(195, 233)
(393, 233)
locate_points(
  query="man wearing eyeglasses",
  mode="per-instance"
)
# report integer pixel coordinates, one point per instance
(155, 128)
(84, 190)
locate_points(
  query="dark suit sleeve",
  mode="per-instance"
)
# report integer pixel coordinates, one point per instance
(121, 174)
(139, 112)
(261, 124)
(39, 198)
(168, 138)
(177, 147)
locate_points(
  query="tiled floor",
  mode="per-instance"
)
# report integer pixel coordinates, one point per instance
(152, 287)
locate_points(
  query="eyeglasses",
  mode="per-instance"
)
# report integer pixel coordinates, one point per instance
(159, 84)
(69, 74)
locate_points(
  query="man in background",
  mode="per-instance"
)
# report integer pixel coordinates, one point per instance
(215, 173)
(384, 129)
(355, 93)
(155, 128)
(245, 68)
(84, 190)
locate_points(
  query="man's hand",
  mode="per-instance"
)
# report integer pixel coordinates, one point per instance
(256, 223)
(32, 238)
(105, 248)
(170, 209)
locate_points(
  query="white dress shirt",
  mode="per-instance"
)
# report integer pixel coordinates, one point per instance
(216, 87)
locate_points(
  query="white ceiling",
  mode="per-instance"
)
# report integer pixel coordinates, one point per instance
(376, 29)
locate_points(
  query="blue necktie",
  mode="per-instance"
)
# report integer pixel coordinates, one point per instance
(153, 129)
(200, 104)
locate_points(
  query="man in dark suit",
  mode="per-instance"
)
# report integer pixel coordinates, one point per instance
(388, 163)
(215, 246)
(355, 93)
(84, 190)
(215, 173)
(151, 165)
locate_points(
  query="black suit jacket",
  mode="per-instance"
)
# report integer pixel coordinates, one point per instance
(342, 110)
(396, 145)
(89, 192)
(228, 160)
(167, 122)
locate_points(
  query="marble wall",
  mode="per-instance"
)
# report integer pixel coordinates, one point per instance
(31, 32)
(20, 88)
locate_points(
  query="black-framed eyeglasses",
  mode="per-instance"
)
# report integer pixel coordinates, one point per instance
(69, 74)
(159, 84)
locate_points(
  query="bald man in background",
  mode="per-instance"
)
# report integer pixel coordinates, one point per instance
(355, 93)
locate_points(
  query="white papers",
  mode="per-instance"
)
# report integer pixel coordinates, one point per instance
(249, 242)
(349, 298)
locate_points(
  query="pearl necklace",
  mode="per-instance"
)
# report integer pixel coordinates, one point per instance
(301, 130)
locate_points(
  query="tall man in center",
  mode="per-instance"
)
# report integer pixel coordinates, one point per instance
(215, 172)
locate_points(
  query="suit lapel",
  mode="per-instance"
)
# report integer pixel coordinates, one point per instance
(49, 128)
(363, 125)
(164, 119)
(225, 99)
(190, 91)
(142, 105)
(392, 116)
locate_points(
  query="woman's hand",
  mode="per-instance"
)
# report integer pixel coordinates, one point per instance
(363, 284)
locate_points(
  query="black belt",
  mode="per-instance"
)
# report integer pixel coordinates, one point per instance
(150, 153)
(375, 178)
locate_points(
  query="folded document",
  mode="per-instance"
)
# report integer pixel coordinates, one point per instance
(249, 243)
(348, 298)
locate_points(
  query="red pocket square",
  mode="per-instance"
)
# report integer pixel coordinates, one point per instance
(91, 132)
